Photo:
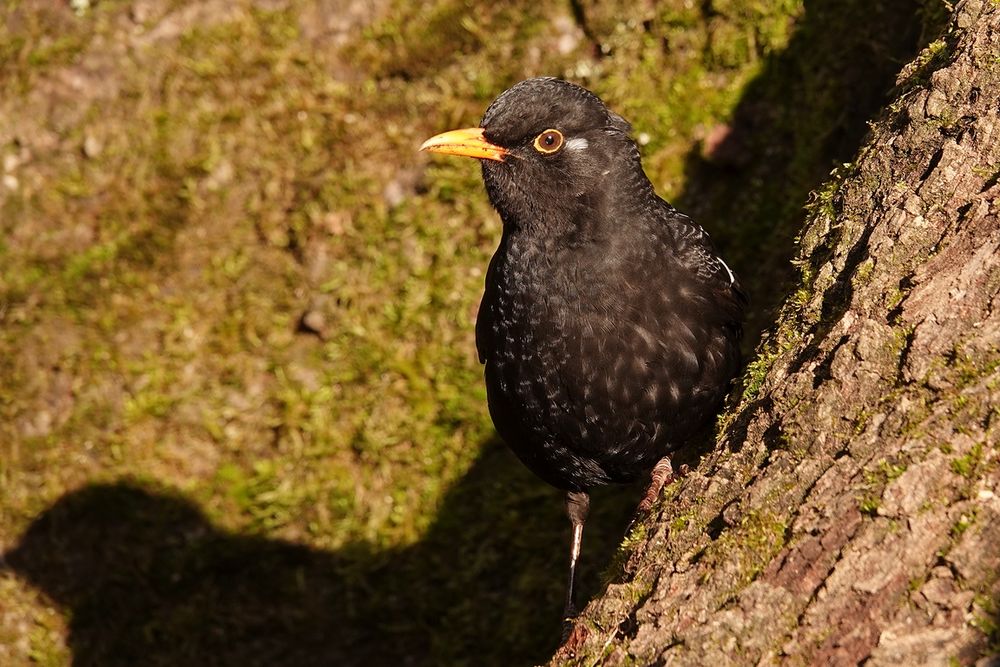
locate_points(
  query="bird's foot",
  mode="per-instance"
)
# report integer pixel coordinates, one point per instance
(661, 475)
(573, 636)
(568, 623)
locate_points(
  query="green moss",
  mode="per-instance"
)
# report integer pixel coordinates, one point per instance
(640, 589)
(756, 373)
(889, 471)
(863, 272)
(969, 464)
(971, 368)
(752, 544)
(60, 50)
(869, 505)
(861, 421)
(680, 523)
(875, 481)
(986, 619)
(963, 523)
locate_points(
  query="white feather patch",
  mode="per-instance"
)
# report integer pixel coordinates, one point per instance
(732, 278)
(576, 144)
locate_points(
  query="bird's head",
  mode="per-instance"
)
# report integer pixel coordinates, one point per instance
(549, 149)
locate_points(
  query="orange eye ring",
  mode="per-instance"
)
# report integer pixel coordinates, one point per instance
(549, 141)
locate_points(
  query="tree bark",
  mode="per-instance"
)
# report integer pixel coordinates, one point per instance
(851, 509)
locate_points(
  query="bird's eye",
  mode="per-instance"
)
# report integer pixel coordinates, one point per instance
(549, 141)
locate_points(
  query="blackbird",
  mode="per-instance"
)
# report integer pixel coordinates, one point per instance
(609, 326)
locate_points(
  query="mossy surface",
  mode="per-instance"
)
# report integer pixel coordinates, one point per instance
(240, 408)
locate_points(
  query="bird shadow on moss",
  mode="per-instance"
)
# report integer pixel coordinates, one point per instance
(146, 578)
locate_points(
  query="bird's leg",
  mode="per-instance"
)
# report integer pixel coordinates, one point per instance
(577, 507)
(661, 475)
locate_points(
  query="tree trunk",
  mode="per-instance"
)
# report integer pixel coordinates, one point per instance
(851, 510)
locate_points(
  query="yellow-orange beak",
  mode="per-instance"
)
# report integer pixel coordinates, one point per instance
(469, 142)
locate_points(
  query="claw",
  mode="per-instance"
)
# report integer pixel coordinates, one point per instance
(661, 475)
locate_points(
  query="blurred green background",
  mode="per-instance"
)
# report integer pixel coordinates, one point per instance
(241, 416)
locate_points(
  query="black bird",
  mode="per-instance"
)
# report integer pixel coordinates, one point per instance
(609, 325)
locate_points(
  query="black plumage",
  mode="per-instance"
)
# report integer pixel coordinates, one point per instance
(609, 327)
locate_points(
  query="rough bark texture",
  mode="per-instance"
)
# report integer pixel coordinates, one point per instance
(851, 511)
